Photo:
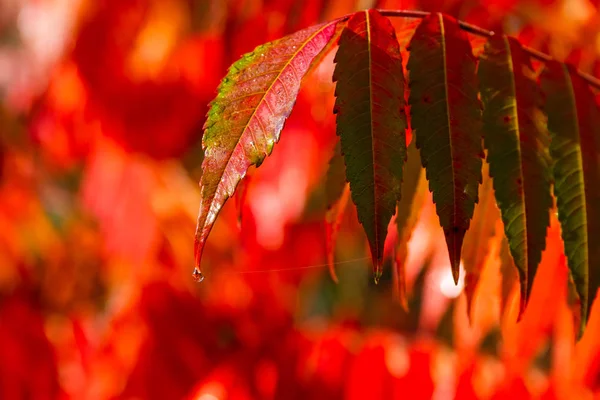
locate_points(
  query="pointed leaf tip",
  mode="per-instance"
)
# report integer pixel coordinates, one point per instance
(377, 263)
(454, 241)
(377, 272)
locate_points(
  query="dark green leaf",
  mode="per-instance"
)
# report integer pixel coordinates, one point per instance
(371, 122)
(574, 125)
(516, 141)
(446, 117)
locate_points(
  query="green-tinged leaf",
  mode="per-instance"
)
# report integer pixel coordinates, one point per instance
(246, 118)
(333, 220)
(414, 193)
(574, 125)
(476, 246)
(446, 117)
(371, 122)
(516, 141)
(508, 271)
(335, 180)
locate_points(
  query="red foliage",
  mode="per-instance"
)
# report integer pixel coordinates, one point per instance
(157, 113)
(98, 200)
(28, 364)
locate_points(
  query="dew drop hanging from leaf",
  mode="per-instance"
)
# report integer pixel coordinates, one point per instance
(197, 275)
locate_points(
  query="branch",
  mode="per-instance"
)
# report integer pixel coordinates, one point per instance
(476, 30)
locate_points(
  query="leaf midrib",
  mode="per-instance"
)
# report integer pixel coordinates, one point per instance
(515, 116)
(443, 37)
(375, 203)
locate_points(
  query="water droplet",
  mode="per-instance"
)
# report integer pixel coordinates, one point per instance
(197, 275)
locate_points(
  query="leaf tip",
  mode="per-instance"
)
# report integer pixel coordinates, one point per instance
(377, 270)
(377, 275)
(198, 250)
(454, 241)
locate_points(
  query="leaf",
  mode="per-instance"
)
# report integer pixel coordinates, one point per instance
(476, 246)
(337, 193)
(329, 47)
(246, 118)
(371, 122)
(446, 116)
(335, 181)
(517, 152)
(332, 227)
(574, 125)
(508, 270)
(414, 193)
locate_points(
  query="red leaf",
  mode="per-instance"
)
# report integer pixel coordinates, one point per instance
(334, 220)
(27, 362)
(414, 193)
(247, 116)
(157, 113)
(477, 240)
(508, 271)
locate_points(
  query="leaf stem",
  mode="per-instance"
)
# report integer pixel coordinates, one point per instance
(476, 30)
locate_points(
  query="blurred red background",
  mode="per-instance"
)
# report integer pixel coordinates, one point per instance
(102, 104)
